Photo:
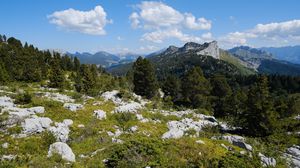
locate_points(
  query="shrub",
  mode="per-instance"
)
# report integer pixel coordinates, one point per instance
(47, 139)
(125, 119)
(23, 98)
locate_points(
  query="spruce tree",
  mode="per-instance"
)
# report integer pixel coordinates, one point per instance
(171, 87)
(260, 115)
(56, 76)
(195, 88)
(3, 74)
(144, 79)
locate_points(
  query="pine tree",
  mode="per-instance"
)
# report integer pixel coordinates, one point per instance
(171, 87)
(260, 115)
(195, 88)
(76, 64)
(56, 77)
(3, 74)
(144, 79)
(87, 78)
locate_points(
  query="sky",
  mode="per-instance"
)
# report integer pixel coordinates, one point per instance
(121, 26)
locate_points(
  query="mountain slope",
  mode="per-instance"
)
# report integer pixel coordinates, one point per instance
(263, 62)
(178, 60)
(288, 53)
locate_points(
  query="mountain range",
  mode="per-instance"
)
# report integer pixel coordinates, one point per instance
(238, 60)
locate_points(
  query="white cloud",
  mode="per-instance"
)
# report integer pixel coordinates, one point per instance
(207, 36)
(199, 24)
(165, 22)
(89, 22)
(273, 33)
(160, 35)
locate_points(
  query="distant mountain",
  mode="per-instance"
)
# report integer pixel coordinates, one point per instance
(102, 58)
(127, 57)
(288, 53)
(264, 62)
(177, 60)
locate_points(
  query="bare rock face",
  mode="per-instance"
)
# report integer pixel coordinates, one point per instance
(36, 124)
(63, 150)
(61, 130)
(212, 49)
(267, 161)
(293, 156)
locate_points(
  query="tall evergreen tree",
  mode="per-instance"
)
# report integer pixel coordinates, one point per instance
(56, 76)
(3, 74)
(195, 88)
(144, 79)
(260, 115)
(171, 87)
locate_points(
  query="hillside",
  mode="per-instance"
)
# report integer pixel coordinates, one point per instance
(264, 62)
(287, 53)
(177, 60)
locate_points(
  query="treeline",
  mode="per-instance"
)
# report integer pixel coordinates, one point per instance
(260, 104)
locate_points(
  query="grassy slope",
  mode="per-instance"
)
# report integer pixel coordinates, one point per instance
(224, 55)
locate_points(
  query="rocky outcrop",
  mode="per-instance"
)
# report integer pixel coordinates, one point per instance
(100, 114)
(211, 49)
(177, 128)
(63, 150)
(293, 156)
(59, 97)
(237, 141)
(73, 107)
(267, 161)
(61, 130)
(36, 124)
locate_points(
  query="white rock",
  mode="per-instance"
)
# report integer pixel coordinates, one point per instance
(133, 128)
(5, 145)
(131, 107)
(141, 118)
(73, 107)
(36, 124)
(112, 95)
(8, 157)
(80, 126)
(237, 141)
(200, 142)
(173, 133)
(59, 97)
(100, 114)
(6, 102)
(115, 140)
(61, 130)
(37, 110)
(267, 161)
(177, 128)
(63, 150)
(293, 156)
(224, 146)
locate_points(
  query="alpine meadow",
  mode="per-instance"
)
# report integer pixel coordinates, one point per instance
(149, 84)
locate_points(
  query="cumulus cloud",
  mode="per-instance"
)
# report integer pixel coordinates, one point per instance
(160, 35)
(197, 24)
(89, 22)
(272, 32)
(166, 22)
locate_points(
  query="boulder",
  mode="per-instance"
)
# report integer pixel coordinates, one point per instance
(200, 142)
(73, 107)
(6, 102)
(36, 124)
(63, 150)
(133, 128)
(61, 130)
(293, 155)
(8, 157)
(100, 114)
(112, 95)
(237, 141)
(173, 133)
(131, 107)
(5, 145)
(59, 97)
(267, 161)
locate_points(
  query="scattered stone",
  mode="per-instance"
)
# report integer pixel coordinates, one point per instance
(63, 150)
(133, 128)
(267, 161)
(177, 128)
(59, 97)
(141, 118)
(6, 102)
(131, 107)
(36, 124)
(224, 146)
(5, 145)
(61, 130)
(73, 107)
(237, 141)
(243, 152)
(80, 126)
(200, 142)
(100, 114)
(8, 157)
(115, 140)
(112, 95)
(293, 156)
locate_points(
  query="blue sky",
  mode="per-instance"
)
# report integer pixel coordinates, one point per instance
(120, 26)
